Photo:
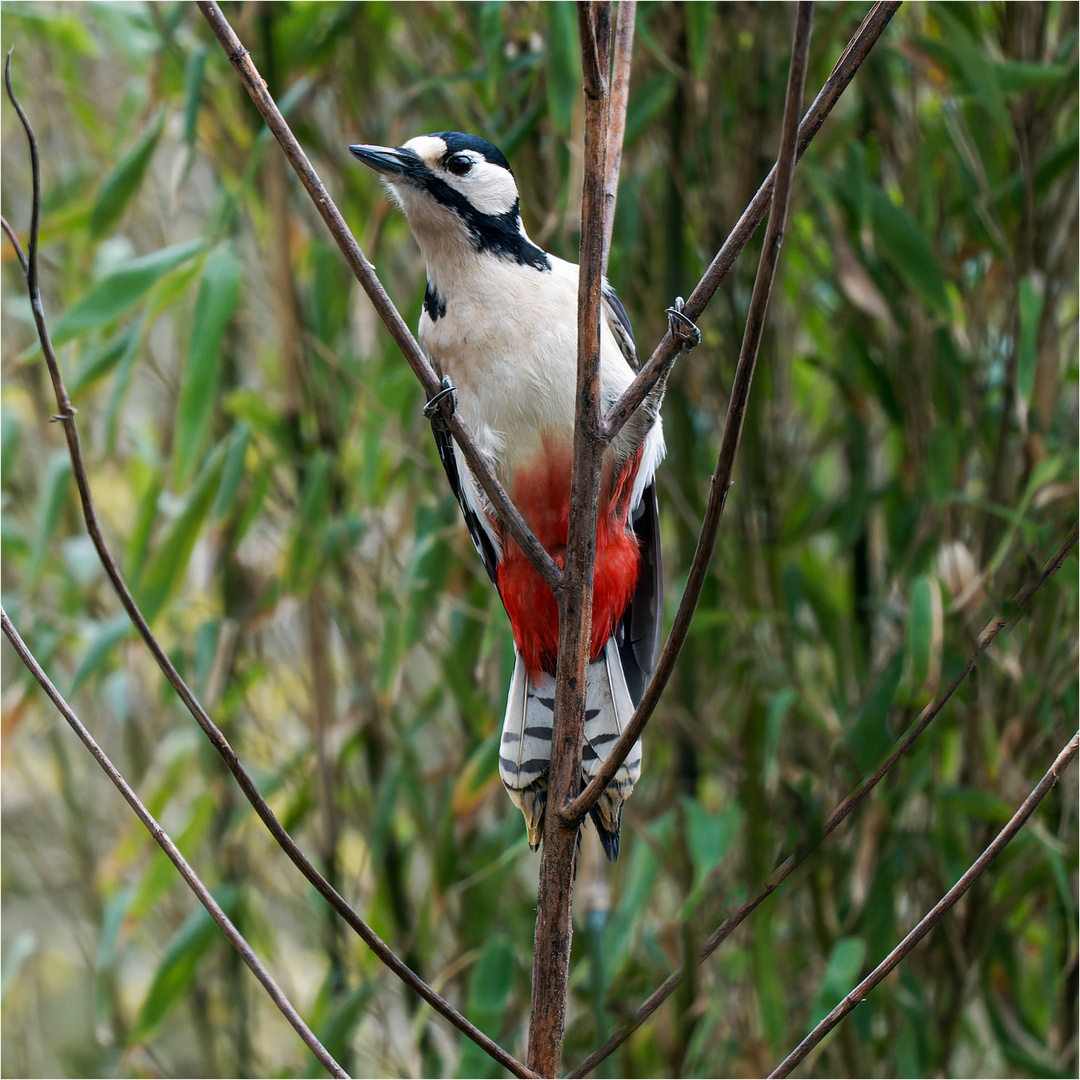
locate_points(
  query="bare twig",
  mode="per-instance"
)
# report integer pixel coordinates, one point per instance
(849, 63)
(554, 927)
(740, 392)
(66, 414)
(253, 82)
(936, 913)
(618, 100)
(842, 811)
(162, 839)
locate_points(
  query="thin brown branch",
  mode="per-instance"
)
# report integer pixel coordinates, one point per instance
(13, 237)
(66, 414)
(554, 926)
(161, 838)
(936, 913)
(836, 818)
(729, 447)
(618, 100)
(508, 515)
(664, 355)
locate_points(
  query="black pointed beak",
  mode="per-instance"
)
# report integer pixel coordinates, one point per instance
(385, 160)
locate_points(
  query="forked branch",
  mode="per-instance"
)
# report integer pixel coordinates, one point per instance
(740, 393)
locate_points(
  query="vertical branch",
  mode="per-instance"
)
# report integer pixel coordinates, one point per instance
(551, 956)
(618, 101)
(733, 424)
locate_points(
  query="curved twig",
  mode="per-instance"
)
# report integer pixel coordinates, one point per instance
(850, 61)
(935, 914)
(257, 90)
(729, 447)
(161, 838)
(836, 818)
(66, 414)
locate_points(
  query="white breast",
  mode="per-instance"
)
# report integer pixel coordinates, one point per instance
(508, 342)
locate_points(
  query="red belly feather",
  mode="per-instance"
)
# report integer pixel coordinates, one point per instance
(542, 494)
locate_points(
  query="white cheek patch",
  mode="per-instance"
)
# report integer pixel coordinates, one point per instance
(488, 187)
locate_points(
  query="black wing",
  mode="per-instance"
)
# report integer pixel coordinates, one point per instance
(444, 441)
(619, 322)
(638, 634)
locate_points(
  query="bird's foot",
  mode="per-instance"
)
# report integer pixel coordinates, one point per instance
(682, 329)
(435, 407)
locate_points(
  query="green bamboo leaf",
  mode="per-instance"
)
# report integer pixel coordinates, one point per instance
(941, 453)
(905, 247)
(563, 68)
(219, 291)
(169, 561)
(232, 471)
(489, 991)
(194, 71)
(1019, 76)
(121, 289)
(105, 637)
(98, 361)
(698, 19)
(648, 101)
(1027, 346)
(10, 430)
(51, 500)
(307, 545)
(160, 875)
(974, 803)
(124, 181)
(924, 636)
(177, 970)
(841, 976)
(869, 737)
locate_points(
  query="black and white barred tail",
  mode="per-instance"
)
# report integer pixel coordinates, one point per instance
(525, 749)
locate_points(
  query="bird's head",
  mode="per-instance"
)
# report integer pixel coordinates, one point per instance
(457, 190)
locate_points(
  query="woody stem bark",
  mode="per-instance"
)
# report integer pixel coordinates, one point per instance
(551, 957)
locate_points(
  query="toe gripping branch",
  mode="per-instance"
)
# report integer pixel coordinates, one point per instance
(682, 329)
(438, 412)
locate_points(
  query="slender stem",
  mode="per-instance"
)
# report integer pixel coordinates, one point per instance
(664, 355)
(936, 913)
(554, 926)
(66, 414)
(617, 103)
(740, 394)
(162, 839)
(836, 818)
(508, 514)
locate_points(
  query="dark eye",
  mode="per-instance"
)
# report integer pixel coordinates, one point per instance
(459, 164)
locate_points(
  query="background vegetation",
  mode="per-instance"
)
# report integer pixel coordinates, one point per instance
(260, 460)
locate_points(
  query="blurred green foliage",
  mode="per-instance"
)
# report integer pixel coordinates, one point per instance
(267, 481)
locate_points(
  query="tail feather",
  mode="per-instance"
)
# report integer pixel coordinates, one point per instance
(608, 711)
(525, 749)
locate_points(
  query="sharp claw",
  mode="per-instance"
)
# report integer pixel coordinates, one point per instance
(434, 407)
(681, 327)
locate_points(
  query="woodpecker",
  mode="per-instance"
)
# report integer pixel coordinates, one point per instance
(499, 323)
